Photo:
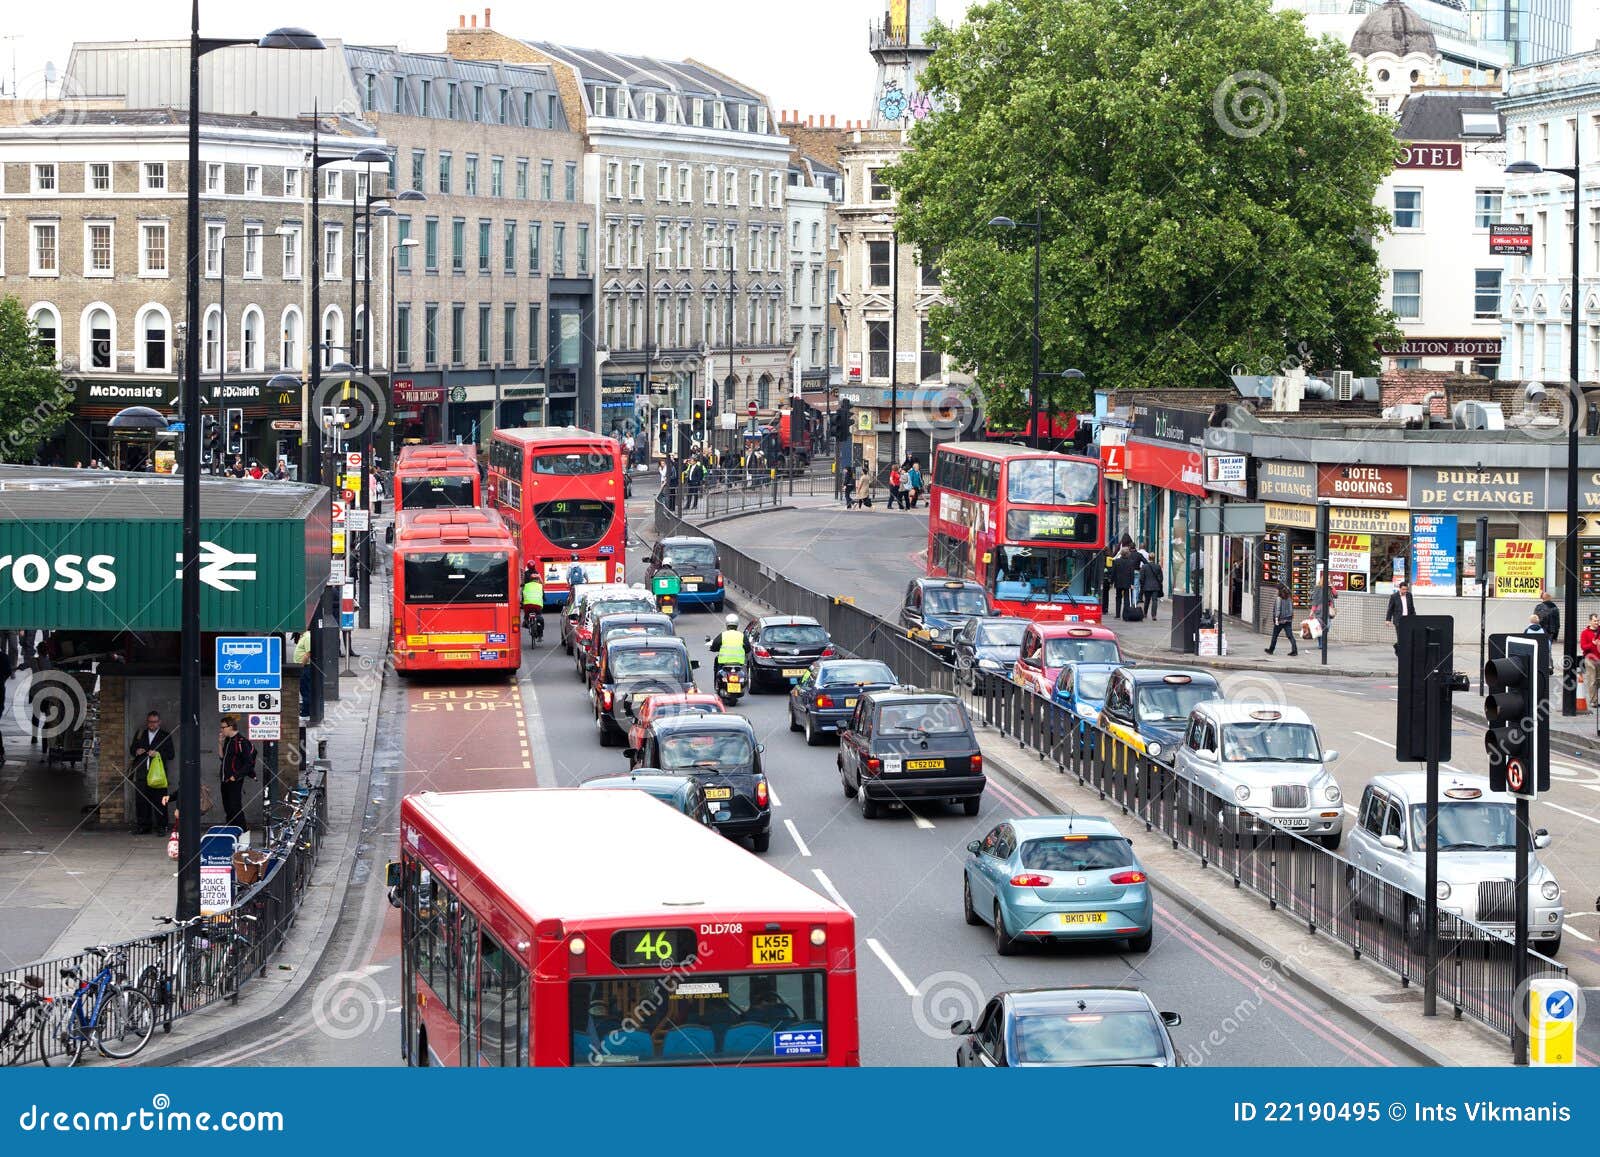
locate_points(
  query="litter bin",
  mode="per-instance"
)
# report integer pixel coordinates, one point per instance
(1185, 616)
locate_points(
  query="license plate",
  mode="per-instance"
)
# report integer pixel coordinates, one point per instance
(691, 578)
(849, 702)
(1293, 824)
(456, 656)
(793, 672)
(719, 793)
(772, 948)
(924, 765)
(1083, 917)
(735, 685)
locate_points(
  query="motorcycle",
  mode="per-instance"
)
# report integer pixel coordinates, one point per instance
(729, 680)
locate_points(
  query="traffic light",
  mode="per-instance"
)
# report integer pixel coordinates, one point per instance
(211, 438)
(698, 419)
(1518, 740)
(664, 430)
(1426, 645)
(843, 421)
(235, 421)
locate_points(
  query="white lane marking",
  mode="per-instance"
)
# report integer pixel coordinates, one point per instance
(827, 886)
(895, 970)
(1574, 932)
(1570, 811)
(1391, 747)
(794, 834)
(922, 822)
(773, 796)
(1335, 690)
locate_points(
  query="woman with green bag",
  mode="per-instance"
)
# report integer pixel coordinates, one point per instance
(153, 754)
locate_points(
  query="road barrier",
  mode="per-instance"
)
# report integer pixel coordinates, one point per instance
(1330, 895)
(185, 969)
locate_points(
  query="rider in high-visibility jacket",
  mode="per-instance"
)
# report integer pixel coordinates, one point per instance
(532, 593)
(729, 645)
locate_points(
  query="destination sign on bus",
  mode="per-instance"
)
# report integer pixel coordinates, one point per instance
(653, 947)
(1052, 525)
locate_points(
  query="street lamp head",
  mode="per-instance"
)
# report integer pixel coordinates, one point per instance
(1523, 168)
(1002, 223)
(1072, 375)
(384, 211)
(408, 243)
(292, 38)
(882, 219)
(370, 157)
(339, 370)
(282, 382)
(411, 195)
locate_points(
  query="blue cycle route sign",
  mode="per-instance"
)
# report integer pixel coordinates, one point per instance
(249, 663)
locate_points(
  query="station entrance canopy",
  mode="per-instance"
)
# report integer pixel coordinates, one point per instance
(98, 551)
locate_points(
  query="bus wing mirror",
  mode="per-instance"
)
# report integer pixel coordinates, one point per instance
(694, 664)
(391, 874)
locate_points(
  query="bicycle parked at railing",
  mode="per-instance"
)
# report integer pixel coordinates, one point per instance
(105, 1011)
(188, 969)
(28, 1019)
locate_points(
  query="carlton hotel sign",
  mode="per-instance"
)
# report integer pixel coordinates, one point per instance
(1445, 347)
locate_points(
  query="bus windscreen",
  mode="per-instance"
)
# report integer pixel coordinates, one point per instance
(574, 463)
(433, 493)
(1052, 482)
(574, 523)
(472, 577)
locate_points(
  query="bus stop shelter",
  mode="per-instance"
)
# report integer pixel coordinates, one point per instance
(93, 557)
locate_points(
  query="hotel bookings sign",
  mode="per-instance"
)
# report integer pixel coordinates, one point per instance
(1518, 568)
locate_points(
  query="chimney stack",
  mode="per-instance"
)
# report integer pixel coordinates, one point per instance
(831, 119)
(463, 21)
(486, 13)
(474, 20)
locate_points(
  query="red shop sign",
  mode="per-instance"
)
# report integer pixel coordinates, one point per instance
(1168, 467)
(418, 395)
(1362, 483)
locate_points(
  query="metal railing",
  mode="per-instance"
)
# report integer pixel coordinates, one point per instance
(184, 969)
(728, 492)
(1330, 895)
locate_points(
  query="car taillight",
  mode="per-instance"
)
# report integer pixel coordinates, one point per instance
(1030, 880)
(977, 763)
(874, 766)
(605, 700)
(1134, 877)
(719, 582)
(824, 700)
(827, 652)
(763, 653)
(761, 793)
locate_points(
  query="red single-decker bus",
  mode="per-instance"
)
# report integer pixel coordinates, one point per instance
(457, 592)
(676, 947)
(1029, 525)
(561, 489)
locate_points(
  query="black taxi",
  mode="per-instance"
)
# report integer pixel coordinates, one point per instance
(905, 744)
(723, 754)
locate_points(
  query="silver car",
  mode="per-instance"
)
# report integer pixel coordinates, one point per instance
(1266, 767)
(1477, 858)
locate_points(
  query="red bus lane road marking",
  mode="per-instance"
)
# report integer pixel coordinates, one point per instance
(466, 737)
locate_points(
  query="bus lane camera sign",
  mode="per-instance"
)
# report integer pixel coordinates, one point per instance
(801, 1042)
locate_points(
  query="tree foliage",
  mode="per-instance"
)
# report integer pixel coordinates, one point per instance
(1205, 173)
(34, 399)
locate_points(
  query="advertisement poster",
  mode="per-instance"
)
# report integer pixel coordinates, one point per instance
(1518, 568)
(1350, 561)
(1433, 553)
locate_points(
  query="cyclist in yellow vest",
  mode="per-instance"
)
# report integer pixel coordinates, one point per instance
(533, 601)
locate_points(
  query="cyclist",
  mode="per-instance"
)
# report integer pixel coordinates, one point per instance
(533, 601)
(729, 645)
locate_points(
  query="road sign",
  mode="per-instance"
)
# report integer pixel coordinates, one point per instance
(356, 518)
(751, 408)
(249, 663)
(352, 460)
(339, 510)
(1516, 775)
(1242, 518)
(1552, 1021)
(336, 570)
(244, 702)
(286, 425)
(267, 725)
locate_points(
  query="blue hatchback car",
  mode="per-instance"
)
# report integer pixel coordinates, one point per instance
(1057, 878)
(1080, 691)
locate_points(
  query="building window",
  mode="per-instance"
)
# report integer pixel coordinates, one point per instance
(152, 248)
(400, 94)
(597, 97)
(402, 335)
(510, 248)
(99, 176)
(458, 245)
(635, 245)
(332, 252)
(45, 251)
(250, 340)
(497, 177)
(570, 171)
(419, 168)
(1486, 293)
(100, 331)
(522, 179)
(685, 184)
(291, 251)
(878, 349)
(730, 185)
(533, 247)
(546, 180)
(931, 364)
(477, 102)
(252, 248)
(550, 118)
(470, 179)
(430, 245)
(697, 114)
(483, 245)
(252, 180)
(360, 241)
(151, 327)
(878, 258)
(877, 187)
(663, 182)
(558, 249)
(583, 249)
(425, 105)
(775, 191)
(44, 177)
(332, 182)
(533, 335)
(214, 231)
(816, 347)
(291, 183)
(213, 176)
(614, 180)
(1407, 209)
(1406, 299)
(211, 346)
(508, 346)
(458, 335)
(289, 344)
(430, 335)
(928, 268)
(97, 249)
(683, 245)
(485, 334)
(1486, 208)
(444, 172)
(635, 181)
(711, 175)
(47, 327)
(333, 347)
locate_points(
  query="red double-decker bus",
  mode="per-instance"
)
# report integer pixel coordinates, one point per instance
(457, 592)
(677, 947)
(1027, 524)
(431, 477)
(561, 490)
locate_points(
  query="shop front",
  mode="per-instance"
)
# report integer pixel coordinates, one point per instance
(416, 413)
(1165, 485)
(1448, 502)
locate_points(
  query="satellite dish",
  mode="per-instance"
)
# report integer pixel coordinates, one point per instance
(49, 72)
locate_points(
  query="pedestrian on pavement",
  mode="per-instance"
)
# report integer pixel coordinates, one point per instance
(847, 486)
(895, 499)
(7, 669)
(1152, 586)
(238, 756)
(1322, 597)
(1589, 653)
(300, 650)
(1401, 605)
(1107, 565)
(915, 473)
(1283, 621)
(1549, 616)
(864, 486)
(153, 754)
(1136, 595)
(1122, 572)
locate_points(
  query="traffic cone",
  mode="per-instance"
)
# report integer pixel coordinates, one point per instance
(1583, 697)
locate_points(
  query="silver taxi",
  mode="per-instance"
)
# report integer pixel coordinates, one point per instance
(1477, 858)
(1266, 768)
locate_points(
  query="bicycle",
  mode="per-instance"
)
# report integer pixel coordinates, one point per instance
(105, 1011)
(190, 972)
(30, 1012)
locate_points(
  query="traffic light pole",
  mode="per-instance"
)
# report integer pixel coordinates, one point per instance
(1433, 695)
(1519, 972)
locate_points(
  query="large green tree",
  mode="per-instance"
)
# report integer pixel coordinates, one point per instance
(1205, 173)
(34, 399)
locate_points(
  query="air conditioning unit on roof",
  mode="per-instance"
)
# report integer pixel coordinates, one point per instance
(1344, 385)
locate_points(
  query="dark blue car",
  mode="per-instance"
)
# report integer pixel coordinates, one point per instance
(826, 695)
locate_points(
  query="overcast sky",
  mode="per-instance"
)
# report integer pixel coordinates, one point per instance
(805, 54)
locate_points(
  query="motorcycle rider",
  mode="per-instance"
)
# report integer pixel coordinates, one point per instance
(729, 646)
(533, 600)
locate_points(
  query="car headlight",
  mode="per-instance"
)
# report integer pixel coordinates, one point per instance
(1331, 793)
(1241, 793)
(1550, 890)
(933, 632)
(990, 665)
(1443, 890)
(1153, 747)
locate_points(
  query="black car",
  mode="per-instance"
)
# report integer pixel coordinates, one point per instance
(987, 648)
(630, 668)
(779, 649)
(1078, 1026)
(935, 608)
(826, 695)
(904, 744)
(698, 566)
(721, 752)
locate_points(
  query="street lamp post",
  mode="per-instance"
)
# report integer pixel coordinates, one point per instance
(1037, 225)
(188, 898)
(732, 342)
(1570, 671)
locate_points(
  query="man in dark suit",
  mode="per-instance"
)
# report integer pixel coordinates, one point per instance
(1401, 604)
(1122, 572)
(152, 739)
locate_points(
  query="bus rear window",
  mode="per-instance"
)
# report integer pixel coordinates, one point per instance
(593, 462)
(463, 577)
(432, 493)
(574, 523)
(699, 1018)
